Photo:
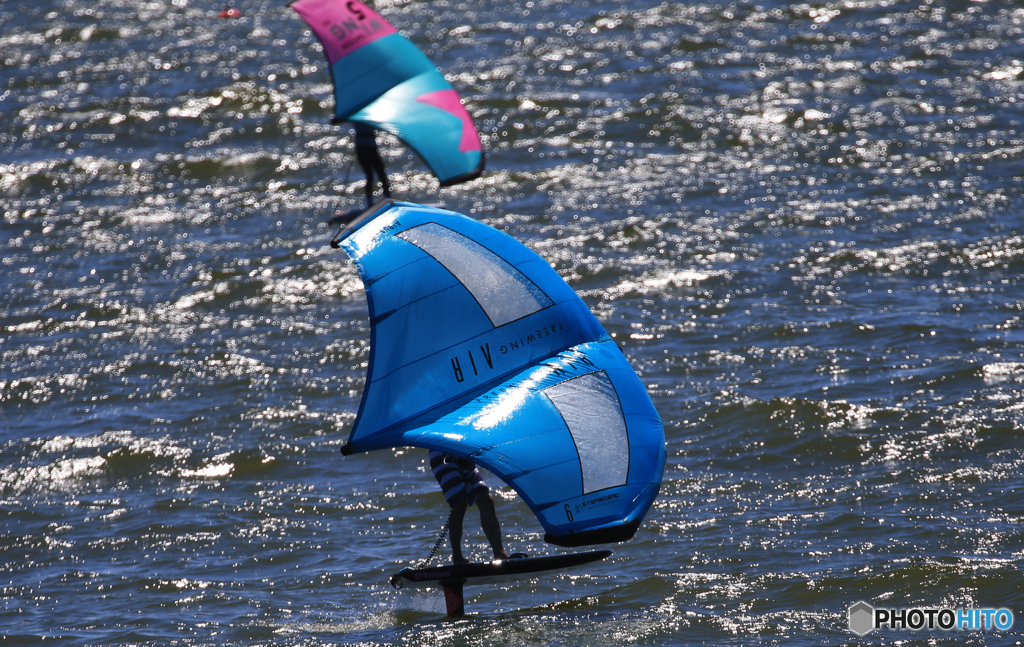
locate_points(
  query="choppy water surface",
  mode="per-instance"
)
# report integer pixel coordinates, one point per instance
(802, 221)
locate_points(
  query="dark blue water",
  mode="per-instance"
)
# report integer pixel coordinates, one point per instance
(803, 222)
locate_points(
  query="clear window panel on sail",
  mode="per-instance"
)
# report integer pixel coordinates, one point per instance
(590, 407)
(504, 293)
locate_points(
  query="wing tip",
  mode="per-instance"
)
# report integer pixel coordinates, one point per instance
(349, 222)
(604, 535)
(466, 177)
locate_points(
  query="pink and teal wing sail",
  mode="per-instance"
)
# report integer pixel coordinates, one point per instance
(382, 80)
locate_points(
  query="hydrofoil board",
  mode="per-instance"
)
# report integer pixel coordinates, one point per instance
(452, 577)
(496, 571)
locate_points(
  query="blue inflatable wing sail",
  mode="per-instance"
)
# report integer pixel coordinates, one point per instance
(382, 80)
(480, 349)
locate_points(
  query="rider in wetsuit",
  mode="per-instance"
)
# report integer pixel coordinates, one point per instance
(463, 487)
(369, 159)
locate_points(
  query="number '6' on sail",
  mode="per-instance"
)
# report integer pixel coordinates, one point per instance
(382, 80)
(480, 349)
